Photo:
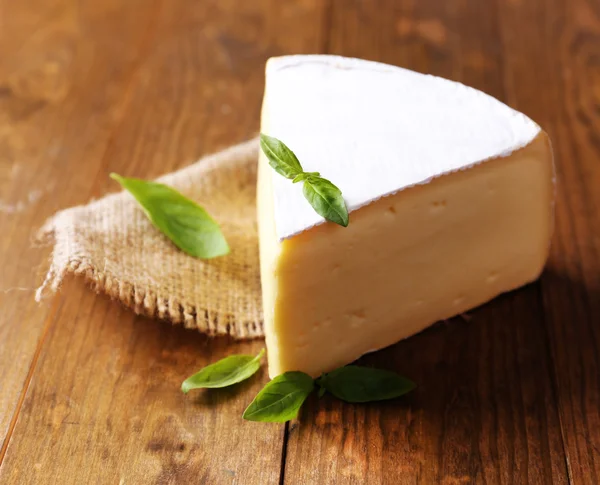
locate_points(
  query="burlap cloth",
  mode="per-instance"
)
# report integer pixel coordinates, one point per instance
(111, 243)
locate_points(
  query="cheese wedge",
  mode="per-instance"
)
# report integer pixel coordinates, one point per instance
(450, 195)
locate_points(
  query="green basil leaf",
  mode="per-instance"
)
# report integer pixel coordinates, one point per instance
(354, 383)
(280, 400)
(280, 157)
(225, 372)
(183, 221)
(326, 199)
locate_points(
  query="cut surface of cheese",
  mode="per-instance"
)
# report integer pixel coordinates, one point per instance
(450, 194)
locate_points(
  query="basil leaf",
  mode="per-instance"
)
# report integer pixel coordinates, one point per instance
(223, 373)
(183, 221)
(280, 400)
(281, 158)
(354, 383)
(326, 199)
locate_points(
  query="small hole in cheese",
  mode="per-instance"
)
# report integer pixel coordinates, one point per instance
(493, 276)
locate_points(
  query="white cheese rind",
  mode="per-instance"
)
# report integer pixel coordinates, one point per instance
(374, 129)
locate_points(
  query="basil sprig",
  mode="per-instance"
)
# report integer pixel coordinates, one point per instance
(325, 198)
(183, 221)
(223, 373)
(281, 399)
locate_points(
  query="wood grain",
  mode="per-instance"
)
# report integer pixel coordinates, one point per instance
(567, 101)
(141, 88)
(105, 404)
(49, 125)
(89, 392)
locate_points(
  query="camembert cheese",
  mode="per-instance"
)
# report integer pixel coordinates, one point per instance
(450, 195)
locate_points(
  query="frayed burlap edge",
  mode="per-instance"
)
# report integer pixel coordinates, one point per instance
(66, 260)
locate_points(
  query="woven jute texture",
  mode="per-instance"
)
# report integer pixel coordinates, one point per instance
(112, 244)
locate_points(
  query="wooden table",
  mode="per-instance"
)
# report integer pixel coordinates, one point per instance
(89, 392)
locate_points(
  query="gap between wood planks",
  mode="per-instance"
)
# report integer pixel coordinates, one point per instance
(325, 49)
(286, 434)
(553, 381)
(57, 303)
(511, 100)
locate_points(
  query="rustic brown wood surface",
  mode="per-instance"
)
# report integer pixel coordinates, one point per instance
(89, 393)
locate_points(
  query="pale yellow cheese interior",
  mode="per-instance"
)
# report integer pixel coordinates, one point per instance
(404, 262)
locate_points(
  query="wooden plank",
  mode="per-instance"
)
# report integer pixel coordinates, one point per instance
(148, 86)
(104, 406)
(49, 125)
(563, 92)
(485, 408)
